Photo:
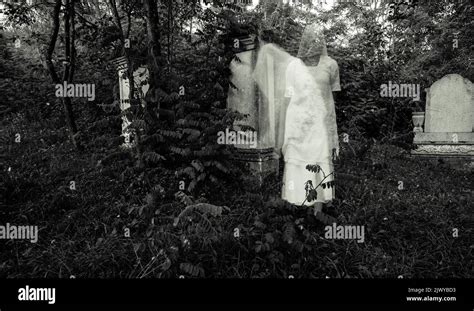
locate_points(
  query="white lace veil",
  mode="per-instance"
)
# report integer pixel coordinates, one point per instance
(312, 42)
(271, 75)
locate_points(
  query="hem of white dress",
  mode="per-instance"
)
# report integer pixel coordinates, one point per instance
(308, 204)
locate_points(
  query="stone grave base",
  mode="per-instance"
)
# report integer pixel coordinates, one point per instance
(457, 156)
(261, 162)
(440, 147)
(465, 151)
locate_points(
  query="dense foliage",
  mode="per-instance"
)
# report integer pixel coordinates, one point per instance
(189, 210)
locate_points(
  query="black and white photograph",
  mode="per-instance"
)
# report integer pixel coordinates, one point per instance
(317, 151)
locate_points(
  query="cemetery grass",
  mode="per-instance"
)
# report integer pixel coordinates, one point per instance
(408, 232)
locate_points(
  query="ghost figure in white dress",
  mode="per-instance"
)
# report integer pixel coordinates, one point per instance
(305, 123)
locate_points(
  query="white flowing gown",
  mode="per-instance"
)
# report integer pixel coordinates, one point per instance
(310, 128)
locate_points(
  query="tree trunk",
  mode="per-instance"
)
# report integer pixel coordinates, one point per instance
(67, 76)
(69, 69)
(52, 42)
(123, 37)
(154, 54)
(153, 32)
(170, 32)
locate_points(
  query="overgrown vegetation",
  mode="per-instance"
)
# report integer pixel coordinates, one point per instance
(217, 225)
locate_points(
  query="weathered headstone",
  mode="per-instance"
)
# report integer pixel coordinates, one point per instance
(449, 106)
(449, 120)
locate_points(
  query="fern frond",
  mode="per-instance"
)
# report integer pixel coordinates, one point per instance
(192, 185)
(136, 124)
(171, 134)
(182, 152)
(184, 198)
(192, 269)
(188, 171)
(201, 177)
(197, 165)
(221, 167)
(152, 157)
(155, 138)
(193, 134)
(203, 208)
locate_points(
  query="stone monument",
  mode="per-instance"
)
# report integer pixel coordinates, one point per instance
(262, 158)
(139, 75)
(449, 121)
